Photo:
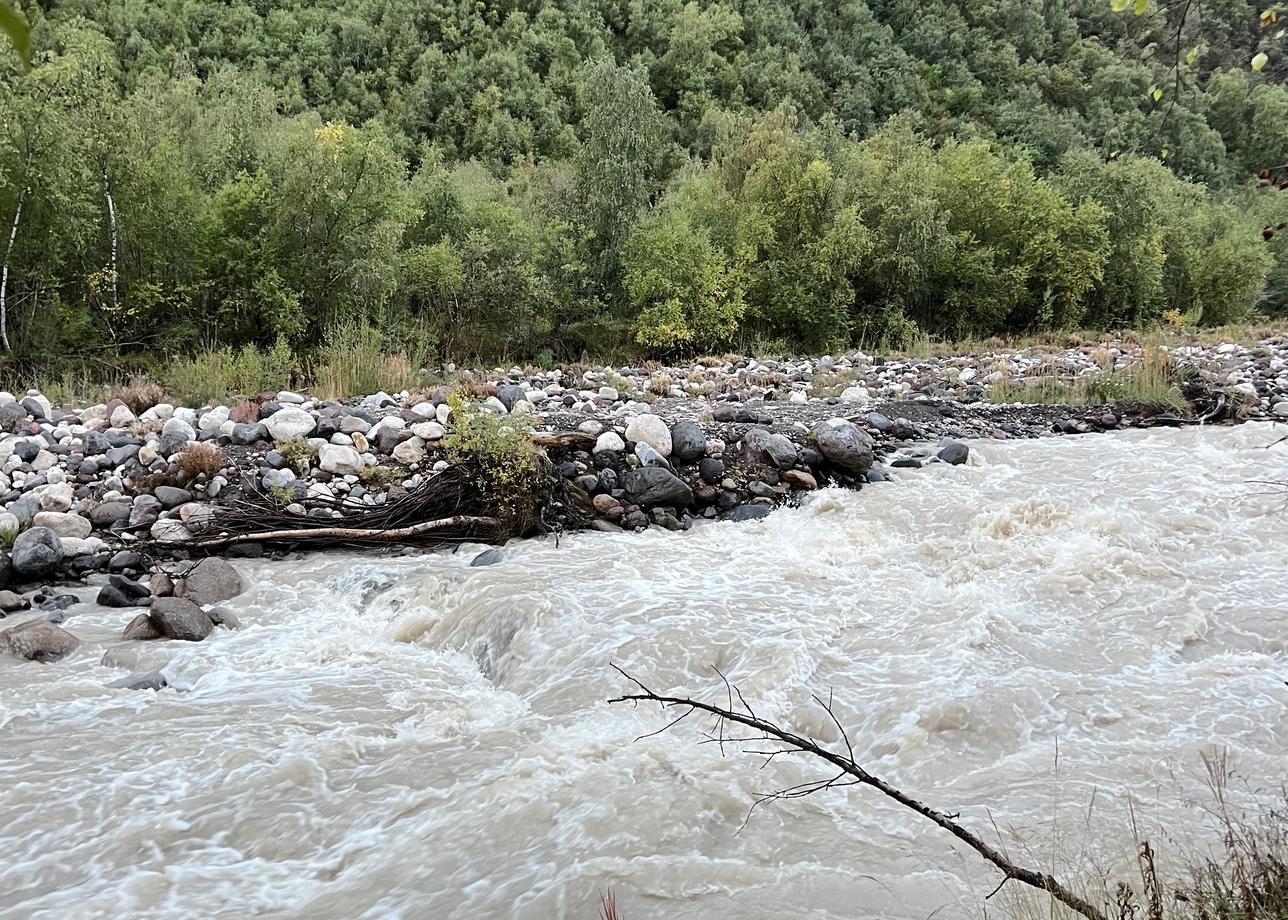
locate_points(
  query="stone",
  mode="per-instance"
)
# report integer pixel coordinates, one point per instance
(180, 427)
(609, 440)
(142, 627)
(38, 640)
(844, 445)
(652, 431)
(222, 616)
(122, 417)
(781, 451)
(125, 559)
(338, 458)
(112, 596)
(64, 523)
(749, 513)
(171, 496)
(179, 618)
(656, 485)
(510, 394)
(58, 497)
(108, 513)
(487, 557)
(688, 442)
(953, 452)
(36, 552)
(9, 602)
(428, 431)
(604, 503)
(799, 479)
(93, 444)
(711, 470)
(289, 422)
(409, 452)
(210, 581)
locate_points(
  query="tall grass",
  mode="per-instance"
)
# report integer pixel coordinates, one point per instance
(1153, 383)
(219, 373)
(352, 361)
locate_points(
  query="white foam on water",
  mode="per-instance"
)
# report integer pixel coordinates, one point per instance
(410, 737)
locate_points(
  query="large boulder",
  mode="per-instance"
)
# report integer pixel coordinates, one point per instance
(179, 618)
(954, 452)
(210, 581)
(289, 422)
(38, 640)
(339, 459)
(688, 442)
(36, 552)
(844, 445)
(652, 431)
(656, 485)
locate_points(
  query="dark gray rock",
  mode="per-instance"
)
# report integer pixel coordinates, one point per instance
(953, 452)
(119, 455)
(36, 552)
(95, 444)
(711, 469)
(6, 569)
(33, 407)
(487, 557)
(655, 485)
(108, 513)
(12, 417)
(749, 513)
(112, 596)
(171, 496)
(130, 588)
(245, 433)
(125, 559)
(26, 451)
(511, 394)
(844, 445)
(688, 442)
(179, 618)
(880, 422)
(38, 640)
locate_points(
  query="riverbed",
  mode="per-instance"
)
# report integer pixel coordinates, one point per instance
(1032, 640)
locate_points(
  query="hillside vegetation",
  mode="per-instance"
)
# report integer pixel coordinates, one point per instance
(471, 180)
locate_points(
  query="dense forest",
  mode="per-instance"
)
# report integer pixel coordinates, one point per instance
(474, 179)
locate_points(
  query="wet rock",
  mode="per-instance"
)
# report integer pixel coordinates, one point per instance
(38, 640)
(179, 618)
(799, 479)
(844, 445)
(655, 485)
(152, 680)
(222, 616)
(125, 559)
(749, 513)
(36, 552)
(953, 452)
(112, 596)
(487, 557)
(781, 451)
(210, 581)
(141, 628)
(9, 602)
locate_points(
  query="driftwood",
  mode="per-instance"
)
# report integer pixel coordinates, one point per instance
(453, 506)
(557, 440)
(849, 773)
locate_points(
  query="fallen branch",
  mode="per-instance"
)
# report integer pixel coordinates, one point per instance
(850, 773)
(388, 535)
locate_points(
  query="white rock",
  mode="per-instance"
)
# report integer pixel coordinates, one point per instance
(6, 397)
(122, 416)
(392, 422)
(609, 440)
(63, 523)
(286, 397)
(213, 419)
(170, 529)
(1281, 409)
(342, 439)
(148, 454)
(590, 426)
(57, 497)
(443, 413)
(495, 406)
(409, 451)
(8, 520)
(82, 546)
(426, 409)
(652, 431)
(715, 447)
(337, 458)
(428, 431)
(609, 393)
(289, 422)
(176, 425)
(854, 394)
(798, 396)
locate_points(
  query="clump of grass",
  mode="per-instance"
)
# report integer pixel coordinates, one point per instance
(353, 362)
(280, 493)
(7, 536)
(199, 458)
(140, 395)
(218, 373)
(659, 384)
(299, 453)
(1152, 383)
(379, 476)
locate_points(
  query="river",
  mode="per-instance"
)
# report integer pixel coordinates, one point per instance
(1029, 640)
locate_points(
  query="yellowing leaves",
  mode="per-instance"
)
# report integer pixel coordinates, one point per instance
(1259, 62)
(1118, 5)
(1139, 7)
(330, 137)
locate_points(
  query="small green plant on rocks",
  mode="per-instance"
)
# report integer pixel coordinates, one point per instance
(379, 475)
(509, 463)
(299, 453)
(7, 536)
(280, 493)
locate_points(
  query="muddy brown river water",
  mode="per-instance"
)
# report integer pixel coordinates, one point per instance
(1032, 640)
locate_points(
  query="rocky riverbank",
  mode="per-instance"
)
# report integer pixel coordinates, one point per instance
(89, 494)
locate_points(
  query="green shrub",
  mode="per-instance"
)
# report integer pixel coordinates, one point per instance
(298, 452)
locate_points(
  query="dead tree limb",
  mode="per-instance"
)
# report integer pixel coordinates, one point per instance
(332, 534)
(849, 773)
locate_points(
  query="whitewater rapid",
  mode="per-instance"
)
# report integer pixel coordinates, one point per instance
(1029, 640)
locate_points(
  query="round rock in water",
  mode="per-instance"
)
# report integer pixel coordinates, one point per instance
(212, 580)
(38, 640)
(177, 618)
